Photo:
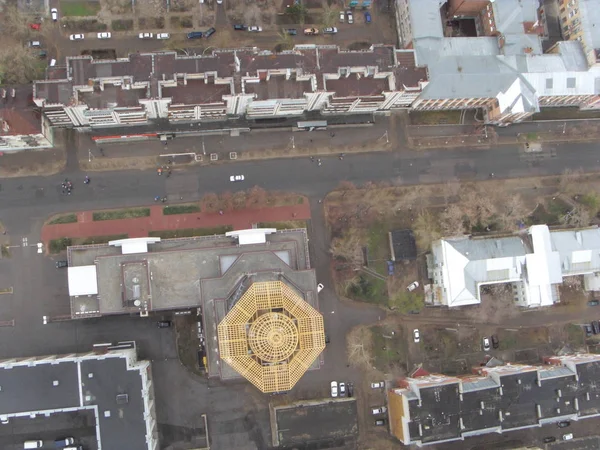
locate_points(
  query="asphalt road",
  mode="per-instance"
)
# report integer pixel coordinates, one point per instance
(40, 289)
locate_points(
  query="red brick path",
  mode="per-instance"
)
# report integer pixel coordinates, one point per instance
(140, 227)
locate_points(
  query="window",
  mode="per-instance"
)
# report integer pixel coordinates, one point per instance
(571, 83)
(549, 83)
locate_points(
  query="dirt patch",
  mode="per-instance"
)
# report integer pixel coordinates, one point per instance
(151, 22)
(32, 163)
(84, 25)
(182, 5)
(527, 338)
(122, 25)
(116, 7)
(102, 164)
(150, 8)
(434, 117)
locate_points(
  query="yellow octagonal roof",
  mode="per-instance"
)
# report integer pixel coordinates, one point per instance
(271, 336)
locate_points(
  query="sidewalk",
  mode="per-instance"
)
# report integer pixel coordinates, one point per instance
(140, 227)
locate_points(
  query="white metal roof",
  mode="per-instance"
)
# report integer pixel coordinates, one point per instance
(82, 281)
(251, 236)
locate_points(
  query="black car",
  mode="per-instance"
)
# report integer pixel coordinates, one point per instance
(588, 330)
(595, 327)
(564, 424)
(194, 35)
(350, 389)
(163, 323)
(495, 341)
(61, 264)
(240, 27)
(291, 31)
(208, 33)
(549, 439)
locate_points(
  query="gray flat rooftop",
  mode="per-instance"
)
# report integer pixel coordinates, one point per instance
(311, 422)
(179, 273)
(51, 385)
(438, 415)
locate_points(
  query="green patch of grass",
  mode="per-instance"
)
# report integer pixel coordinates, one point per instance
(79, 8)
(532, 136)
(508, 340)
(122, 25)
(101, 239)
(405, 302)
(62, 219)
(434, 117)
(58, 245)
(389, 348)
(368, 289)
(181, 209)
(378, 248)
(591, 201)
(190, 232)
(121, 214)
(564, 113)
(575, 335)
(287, 225)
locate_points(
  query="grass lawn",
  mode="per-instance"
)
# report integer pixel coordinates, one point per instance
(99, 239)
(575, 335)
(62, 219)
(58, 245)
(181, 209)
(369, 289)
(121, 214)
(79, 8)
(378, 247)
(388, 349)
(434, 117)
(287, 225)
(190, 232)
(564, 113)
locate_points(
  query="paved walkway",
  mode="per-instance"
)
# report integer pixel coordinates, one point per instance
(140, 227)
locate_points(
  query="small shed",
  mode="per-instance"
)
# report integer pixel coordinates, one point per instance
(403, 246)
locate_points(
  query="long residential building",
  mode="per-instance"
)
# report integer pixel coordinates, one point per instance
(432, 408)
(228, 84)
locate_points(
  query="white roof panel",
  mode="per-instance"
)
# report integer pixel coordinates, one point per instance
(82, 281)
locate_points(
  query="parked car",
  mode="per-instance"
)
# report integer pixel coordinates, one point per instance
(163, 36)
(416, 336)
(63, 442)
(367, 17)
(104, 35)
(588, 330)
(595, 327)
(350, 390)
(35, 26)
(239, 27)
(567, 437)
(564, 424)
(380, 422)
(236, 178)
(390, 267)
(76, 37)
(54, 14)
(34, 44)
(412, 286)
(208, 33)
(495, 341)
(334, 389)
(311, 31)
(290, 31)
(254, 29)
(342, 389)
(3, 420)
(350, 17)
(549, 439)
(330, 30)
(163, 324)
(320, 287)
(594, 302)
(62, 264)
(146, 35)
(42, 54)
(378, 410)
(342, 16)
(377, 385)
(486, 344)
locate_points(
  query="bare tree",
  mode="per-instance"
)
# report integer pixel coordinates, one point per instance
(479, 204)
(349, 247)
(579, 216)
(14, 24)
(511, 213)
(257, 197)
(225, 201)
(210, 202)
(360, 347)
(569, 179)
(452, 221)
(426, 230)
(18, 65)
(239, 200)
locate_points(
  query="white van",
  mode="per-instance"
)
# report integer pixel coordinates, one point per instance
(52, 62)
(33, 444)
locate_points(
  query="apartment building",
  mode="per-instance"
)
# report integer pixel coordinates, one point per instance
(248, 83)
(430, 409)
(489, 55)
(578, 20)
(534, 262)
